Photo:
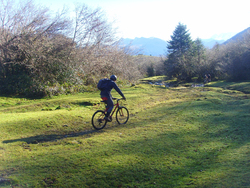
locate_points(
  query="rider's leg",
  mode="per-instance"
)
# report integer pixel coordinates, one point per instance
(110, 106)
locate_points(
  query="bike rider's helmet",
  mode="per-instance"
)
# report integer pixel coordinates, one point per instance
(113, 77)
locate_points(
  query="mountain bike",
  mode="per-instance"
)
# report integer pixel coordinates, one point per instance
(122, 115)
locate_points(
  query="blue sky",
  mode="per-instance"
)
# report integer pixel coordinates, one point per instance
(158, 18)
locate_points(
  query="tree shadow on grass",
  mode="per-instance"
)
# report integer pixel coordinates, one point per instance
(54, 137)
(48, 138)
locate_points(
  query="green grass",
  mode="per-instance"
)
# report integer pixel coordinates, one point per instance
(175, 137)
(239, 86)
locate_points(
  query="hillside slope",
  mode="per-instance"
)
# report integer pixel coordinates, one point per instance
(238, 36)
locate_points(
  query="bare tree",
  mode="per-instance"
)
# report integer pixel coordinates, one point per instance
(39, 51)
(91, 28)
(29, 44)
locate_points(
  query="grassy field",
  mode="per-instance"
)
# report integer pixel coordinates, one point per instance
(175, 137)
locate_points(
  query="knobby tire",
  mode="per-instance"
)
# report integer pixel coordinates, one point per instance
(122, 115)
(98, 120)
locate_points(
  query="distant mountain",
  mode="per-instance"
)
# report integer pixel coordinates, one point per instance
(147, 46)
(209, 43)
(223, 36)
(238, 36)
(157, 47)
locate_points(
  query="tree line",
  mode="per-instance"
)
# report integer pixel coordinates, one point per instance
(188, 59)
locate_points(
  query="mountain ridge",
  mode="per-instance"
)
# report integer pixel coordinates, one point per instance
(238, 36)
(147, 46)
(157, 47)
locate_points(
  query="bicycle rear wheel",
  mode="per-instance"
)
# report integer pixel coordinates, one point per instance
(98, 120)
(122, 115)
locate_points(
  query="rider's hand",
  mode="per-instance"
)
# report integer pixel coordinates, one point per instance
(124, 98)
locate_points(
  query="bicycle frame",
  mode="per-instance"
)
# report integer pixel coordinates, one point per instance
(115, 107)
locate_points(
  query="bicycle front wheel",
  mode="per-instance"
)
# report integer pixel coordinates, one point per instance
(98, 120)
(122, 115)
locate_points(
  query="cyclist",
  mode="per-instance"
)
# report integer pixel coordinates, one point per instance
(106, 95)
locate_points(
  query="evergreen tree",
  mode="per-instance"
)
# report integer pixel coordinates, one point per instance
(179, 53)
(199, 58)
(151, 70)
(180, 40)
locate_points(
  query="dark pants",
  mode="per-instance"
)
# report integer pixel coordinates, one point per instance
(110, 104)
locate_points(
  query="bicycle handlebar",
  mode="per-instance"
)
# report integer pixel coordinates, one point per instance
(117, 99)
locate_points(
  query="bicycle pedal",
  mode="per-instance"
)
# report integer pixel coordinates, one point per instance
(108, 119)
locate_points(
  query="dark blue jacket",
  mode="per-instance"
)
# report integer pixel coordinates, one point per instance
(107, 91)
